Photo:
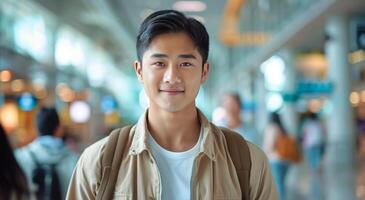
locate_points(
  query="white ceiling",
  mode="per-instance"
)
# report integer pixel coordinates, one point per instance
(114, 24)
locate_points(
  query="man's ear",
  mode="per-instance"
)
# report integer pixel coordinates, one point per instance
(205, 73)
(138, 70)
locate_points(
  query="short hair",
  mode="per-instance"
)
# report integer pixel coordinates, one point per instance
(47, 121)
(172, 21)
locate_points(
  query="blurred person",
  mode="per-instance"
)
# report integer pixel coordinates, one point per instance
(312, 133)
(47, 150)
(233, 119)
(13, 183)
(361, 130)
(173, 152)
(279, 166)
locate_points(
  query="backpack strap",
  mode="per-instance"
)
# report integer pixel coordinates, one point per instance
(241, 157)
(34, 158)
(111, 161)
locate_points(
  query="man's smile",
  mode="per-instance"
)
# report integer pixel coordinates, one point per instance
(172, 91)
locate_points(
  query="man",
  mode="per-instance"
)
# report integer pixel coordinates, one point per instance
(173, 152)
(48, 149)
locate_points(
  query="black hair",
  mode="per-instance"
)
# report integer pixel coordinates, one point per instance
(172, 21)
(47, 121)
(12, 178)
(275, 119)
(312, 116)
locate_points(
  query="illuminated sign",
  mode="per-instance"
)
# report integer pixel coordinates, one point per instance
(27, 102)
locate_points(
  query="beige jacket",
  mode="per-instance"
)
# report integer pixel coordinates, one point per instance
(213, 177)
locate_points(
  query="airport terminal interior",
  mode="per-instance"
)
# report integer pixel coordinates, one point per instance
(297, 58)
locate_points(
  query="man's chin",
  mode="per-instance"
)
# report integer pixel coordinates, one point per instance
(172, 109)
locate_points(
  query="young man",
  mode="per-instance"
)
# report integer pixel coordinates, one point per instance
(173, 152)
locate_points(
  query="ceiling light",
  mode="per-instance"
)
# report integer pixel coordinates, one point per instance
(354, 98)
(80, 112)
(17, 85)
(357, 56)
(9, 116)
(5, 76)
(189, 6)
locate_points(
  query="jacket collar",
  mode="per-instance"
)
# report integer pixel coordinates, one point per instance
(140, 142)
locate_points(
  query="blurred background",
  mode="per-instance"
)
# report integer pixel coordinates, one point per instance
(293, 57)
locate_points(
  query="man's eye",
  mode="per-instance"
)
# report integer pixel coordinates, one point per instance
(185, 64)
(158, 64)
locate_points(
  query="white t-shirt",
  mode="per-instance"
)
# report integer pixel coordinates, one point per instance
(175, 169)
(312, 131)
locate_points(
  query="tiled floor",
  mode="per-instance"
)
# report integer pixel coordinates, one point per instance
(341, 183)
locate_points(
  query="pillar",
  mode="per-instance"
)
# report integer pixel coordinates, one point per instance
(339, 158)
(290, 116)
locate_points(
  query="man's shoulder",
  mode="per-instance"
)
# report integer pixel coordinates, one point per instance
(238, 138)
(257, 154)
(90, 158)
(96, 149)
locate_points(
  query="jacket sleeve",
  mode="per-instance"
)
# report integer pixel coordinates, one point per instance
(262, 186)
(87, 174)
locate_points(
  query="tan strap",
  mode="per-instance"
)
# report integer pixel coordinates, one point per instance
(241, 158)
(111, 161)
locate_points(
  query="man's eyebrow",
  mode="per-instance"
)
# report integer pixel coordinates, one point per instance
(187, 56)
(158, 55)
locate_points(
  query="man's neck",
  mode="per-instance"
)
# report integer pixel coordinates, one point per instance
(174, 131)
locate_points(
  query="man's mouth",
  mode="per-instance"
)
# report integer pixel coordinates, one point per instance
(172, 91)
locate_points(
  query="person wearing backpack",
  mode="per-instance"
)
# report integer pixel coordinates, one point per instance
(274, 132)
(173, 152)
(47, 162)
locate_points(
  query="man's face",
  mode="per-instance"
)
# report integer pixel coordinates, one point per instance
(172, 72)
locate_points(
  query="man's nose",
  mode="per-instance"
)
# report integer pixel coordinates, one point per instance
(172, 75)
